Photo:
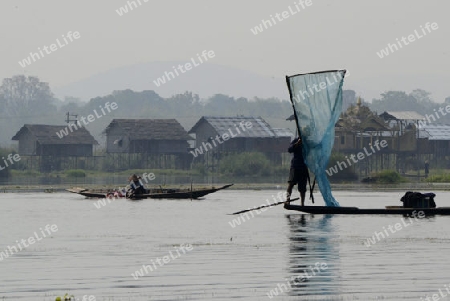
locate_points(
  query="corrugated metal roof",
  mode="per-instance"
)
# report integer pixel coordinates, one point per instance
(405, 115)
(259, 127)
(151, 129)
(435, 131)
(283, 132)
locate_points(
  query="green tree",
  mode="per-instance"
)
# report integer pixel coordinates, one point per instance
(422, 96)
(400, 101)
(220, 104)
(184, 104)
(25, 96)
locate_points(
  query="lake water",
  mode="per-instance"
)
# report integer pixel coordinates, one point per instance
(96, 252)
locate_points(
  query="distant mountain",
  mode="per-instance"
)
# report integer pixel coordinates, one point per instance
(205, 80)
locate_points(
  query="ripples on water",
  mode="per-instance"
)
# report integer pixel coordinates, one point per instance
(95, 251)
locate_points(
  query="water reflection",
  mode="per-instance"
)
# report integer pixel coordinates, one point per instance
(313, 255)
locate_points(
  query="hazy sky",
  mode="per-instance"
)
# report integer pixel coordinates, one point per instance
(329, 34)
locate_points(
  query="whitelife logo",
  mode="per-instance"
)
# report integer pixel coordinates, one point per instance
(225, 137)
(169, 75)
(360, 156)
(91, 118)
(282, 288)
(436, 297)
(431, 118)
(146, 269)
(130, 4)
(11, 250)
(377, 236)
(266, 24)
(243, 217)
(10, 158)
(391, 48)
(70, 37)
(311, 90)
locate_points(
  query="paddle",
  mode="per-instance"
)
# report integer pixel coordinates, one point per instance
(264, 206)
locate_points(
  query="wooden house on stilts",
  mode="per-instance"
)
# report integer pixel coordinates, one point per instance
(55, 147)
(147, 143)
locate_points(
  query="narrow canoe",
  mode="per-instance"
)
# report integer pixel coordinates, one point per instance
(186, 194)
(156, 194)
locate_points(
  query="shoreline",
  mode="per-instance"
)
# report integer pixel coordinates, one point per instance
(237, 186)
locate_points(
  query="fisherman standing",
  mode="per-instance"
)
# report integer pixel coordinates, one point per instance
(298, 173)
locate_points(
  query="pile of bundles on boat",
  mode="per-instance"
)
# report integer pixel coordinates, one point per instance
(418, 200)
(118, 193)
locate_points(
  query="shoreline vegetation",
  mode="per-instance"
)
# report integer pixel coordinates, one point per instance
(245, 170)
(239, 186)
(381, 177)
(27, 181)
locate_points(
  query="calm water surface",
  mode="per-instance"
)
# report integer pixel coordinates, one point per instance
(96, 251)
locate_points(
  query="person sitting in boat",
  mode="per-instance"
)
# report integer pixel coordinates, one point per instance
(120, 193)
(298, 173)
(136, 184)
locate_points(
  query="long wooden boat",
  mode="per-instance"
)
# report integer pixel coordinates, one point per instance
(182, 194)
(354, 210)
(155, 193)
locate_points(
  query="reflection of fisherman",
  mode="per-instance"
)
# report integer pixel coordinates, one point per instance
(136, 184)
(298, 173)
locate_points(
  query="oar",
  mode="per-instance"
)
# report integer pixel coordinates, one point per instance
(264, 206)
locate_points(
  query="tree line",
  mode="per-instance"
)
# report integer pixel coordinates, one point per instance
(27, 100)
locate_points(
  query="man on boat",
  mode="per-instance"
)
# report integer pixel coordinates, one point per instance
(136, 185)
(298, 173)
